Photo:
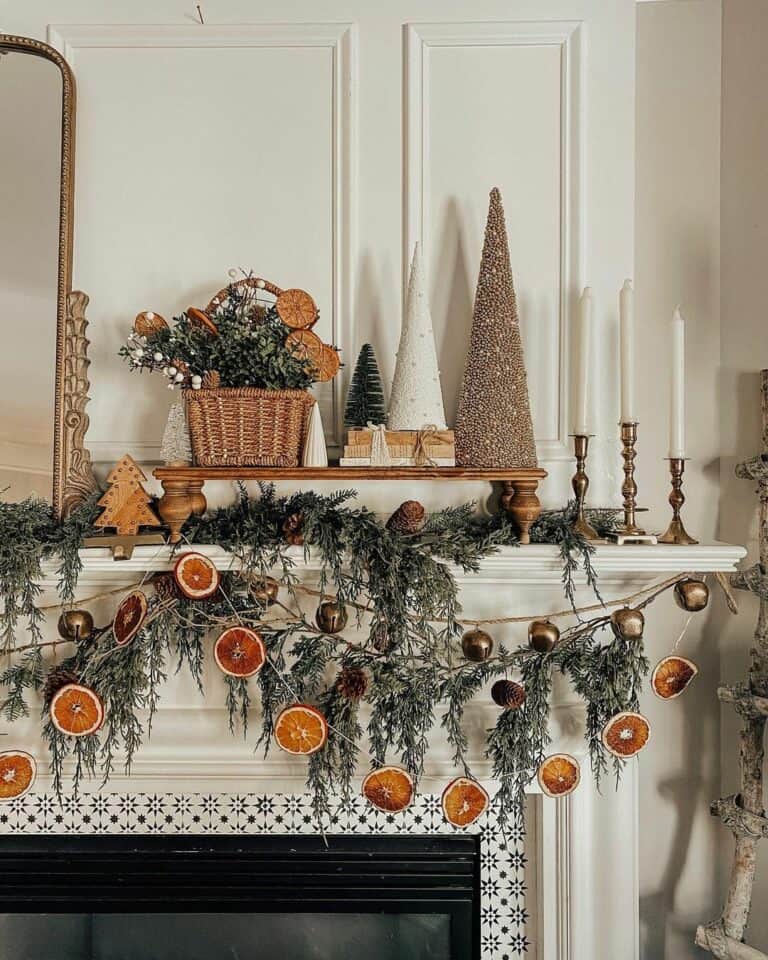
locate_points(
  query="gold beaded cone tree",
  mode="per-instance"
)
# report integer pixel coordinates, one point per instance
(493, 422)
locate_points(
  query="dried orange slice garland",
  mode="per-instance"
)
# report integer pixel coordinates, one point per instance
(672, 675)
(130, 617)
(18, 770)
(239, 652)
(301, 729)
(559, 775)
(389, 789)
(625, 734)
(196, 576)
(463, 801)
(76, 710)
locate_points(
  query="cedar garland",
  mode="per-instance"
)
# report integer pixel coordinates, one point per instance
(398, 586)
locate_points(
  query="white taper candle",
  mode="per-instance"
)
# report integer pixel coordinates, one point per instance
(583, 363)
(677, 388)
(627, 345)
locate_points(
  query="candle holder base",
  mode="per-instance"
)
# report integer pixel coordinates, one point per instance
(585, 529)
(626, 538)
(677, 534)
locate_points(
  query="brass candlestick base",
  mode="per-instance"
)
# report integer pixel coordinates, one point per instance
(676, 532)
(580, 484)
(629, 532)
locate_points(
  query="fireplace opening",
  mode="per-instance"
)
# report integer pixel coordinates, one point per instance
(239, 898)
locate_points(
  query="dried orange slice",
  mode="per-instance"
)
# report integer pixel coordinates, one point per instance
(76, 710)
(559, 774)
(463, 801)
(296, 309)
(18, 770)
(301, 729)
(306, 346)
(201, 319)
(626, 734)
(196, 576)
(239, 652)
(130, 617)
(389, 789)
(328, 365)
(671, 676)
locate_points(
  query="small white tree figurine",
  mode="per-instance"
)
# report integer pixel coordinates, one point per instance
(176, 449)
(416, 399)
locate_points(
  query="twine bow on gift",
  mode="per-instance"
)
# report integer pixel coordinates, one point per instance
(420, 456)
(379, 450)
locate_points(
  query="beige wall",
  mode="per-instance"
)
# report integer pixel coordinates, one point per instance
(677, 259)
(743, 341)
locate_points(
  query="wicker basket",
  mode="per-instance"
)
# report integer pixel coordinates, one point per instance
(248, 427)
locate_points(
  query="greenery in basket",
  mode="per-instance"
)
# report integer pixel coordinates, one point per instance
(247, 348)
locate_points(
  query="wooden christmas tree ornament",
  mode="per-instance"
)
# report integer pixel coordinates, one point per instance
(494, 427)
(126, 508)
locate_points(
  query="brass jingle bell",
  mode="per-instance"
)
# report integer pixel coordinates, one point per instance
(628, 623)
(331, 617)
(75, 625)
(477, 645)
(264, 590)
(543, 635)
(691, 595)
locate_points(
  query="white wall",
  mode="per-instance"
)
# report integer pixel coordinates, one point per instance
(744, 350)
(677, 260)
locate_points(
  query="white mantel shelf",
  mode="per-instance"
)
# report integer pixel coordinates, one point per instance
(537, 562)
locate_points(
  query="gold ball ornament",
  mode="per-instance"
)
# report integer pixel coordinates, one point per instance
(331, 616)
(628, 623)
(264, 591)
(75, 625)
(477, 645)
(691, 595)
(543, 635)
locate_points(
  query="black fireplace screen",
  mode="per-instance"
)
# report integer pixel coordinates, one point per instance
(239, 898)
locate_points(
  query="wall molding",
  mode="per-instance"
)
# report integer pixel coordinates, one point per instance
(420, 40)
(341, 39)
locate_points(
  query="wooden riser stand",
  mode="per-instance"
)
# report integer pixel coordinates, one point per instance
(183, 494)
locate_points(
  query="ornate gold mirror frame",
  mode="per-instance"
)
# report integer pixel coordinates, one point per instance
(73, 478)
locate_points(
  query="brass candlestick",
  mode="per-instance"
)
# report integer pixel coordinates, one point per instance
(629, 532)
(580, 484)
(676, 532)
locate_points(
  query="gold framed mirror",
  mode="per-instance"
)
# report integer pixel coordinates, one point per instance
(44, 372)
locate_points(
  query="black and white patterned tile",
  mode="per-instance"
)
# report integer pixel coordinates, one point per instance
(504, 916)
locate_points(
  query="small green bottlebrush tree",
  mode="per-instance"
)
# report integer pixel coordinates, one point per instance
(365, 400)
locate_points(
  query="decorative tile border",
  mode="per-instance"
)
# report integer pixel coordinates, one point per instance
(502, 867)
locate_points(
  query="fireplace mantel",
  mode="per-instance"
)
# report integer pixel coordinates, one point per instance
(585, 848)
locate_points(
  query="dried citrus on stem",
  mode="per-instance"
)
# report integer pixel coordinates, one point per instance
(626, 734)
(463, 801)
(559, 774)
(671, 676)
(196, 576)
(130, 617)
(76, 710)
(389, 789)
(296, 309)
(301, 729)
(18, 770)
(239, 652)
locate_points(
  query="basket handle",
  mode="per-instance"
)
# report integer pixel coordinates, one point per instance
(256, 283)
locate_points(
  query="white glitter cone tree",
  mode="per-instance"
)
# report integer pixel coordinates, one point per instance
(494, 427)
(416, 400)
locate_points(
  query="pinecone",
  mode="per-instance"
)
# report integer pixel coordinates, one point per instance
(211, 380)
(409, 517)
(292, 529)
(165, 586)
(57, 678)
(352, 682)
(182, 367)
